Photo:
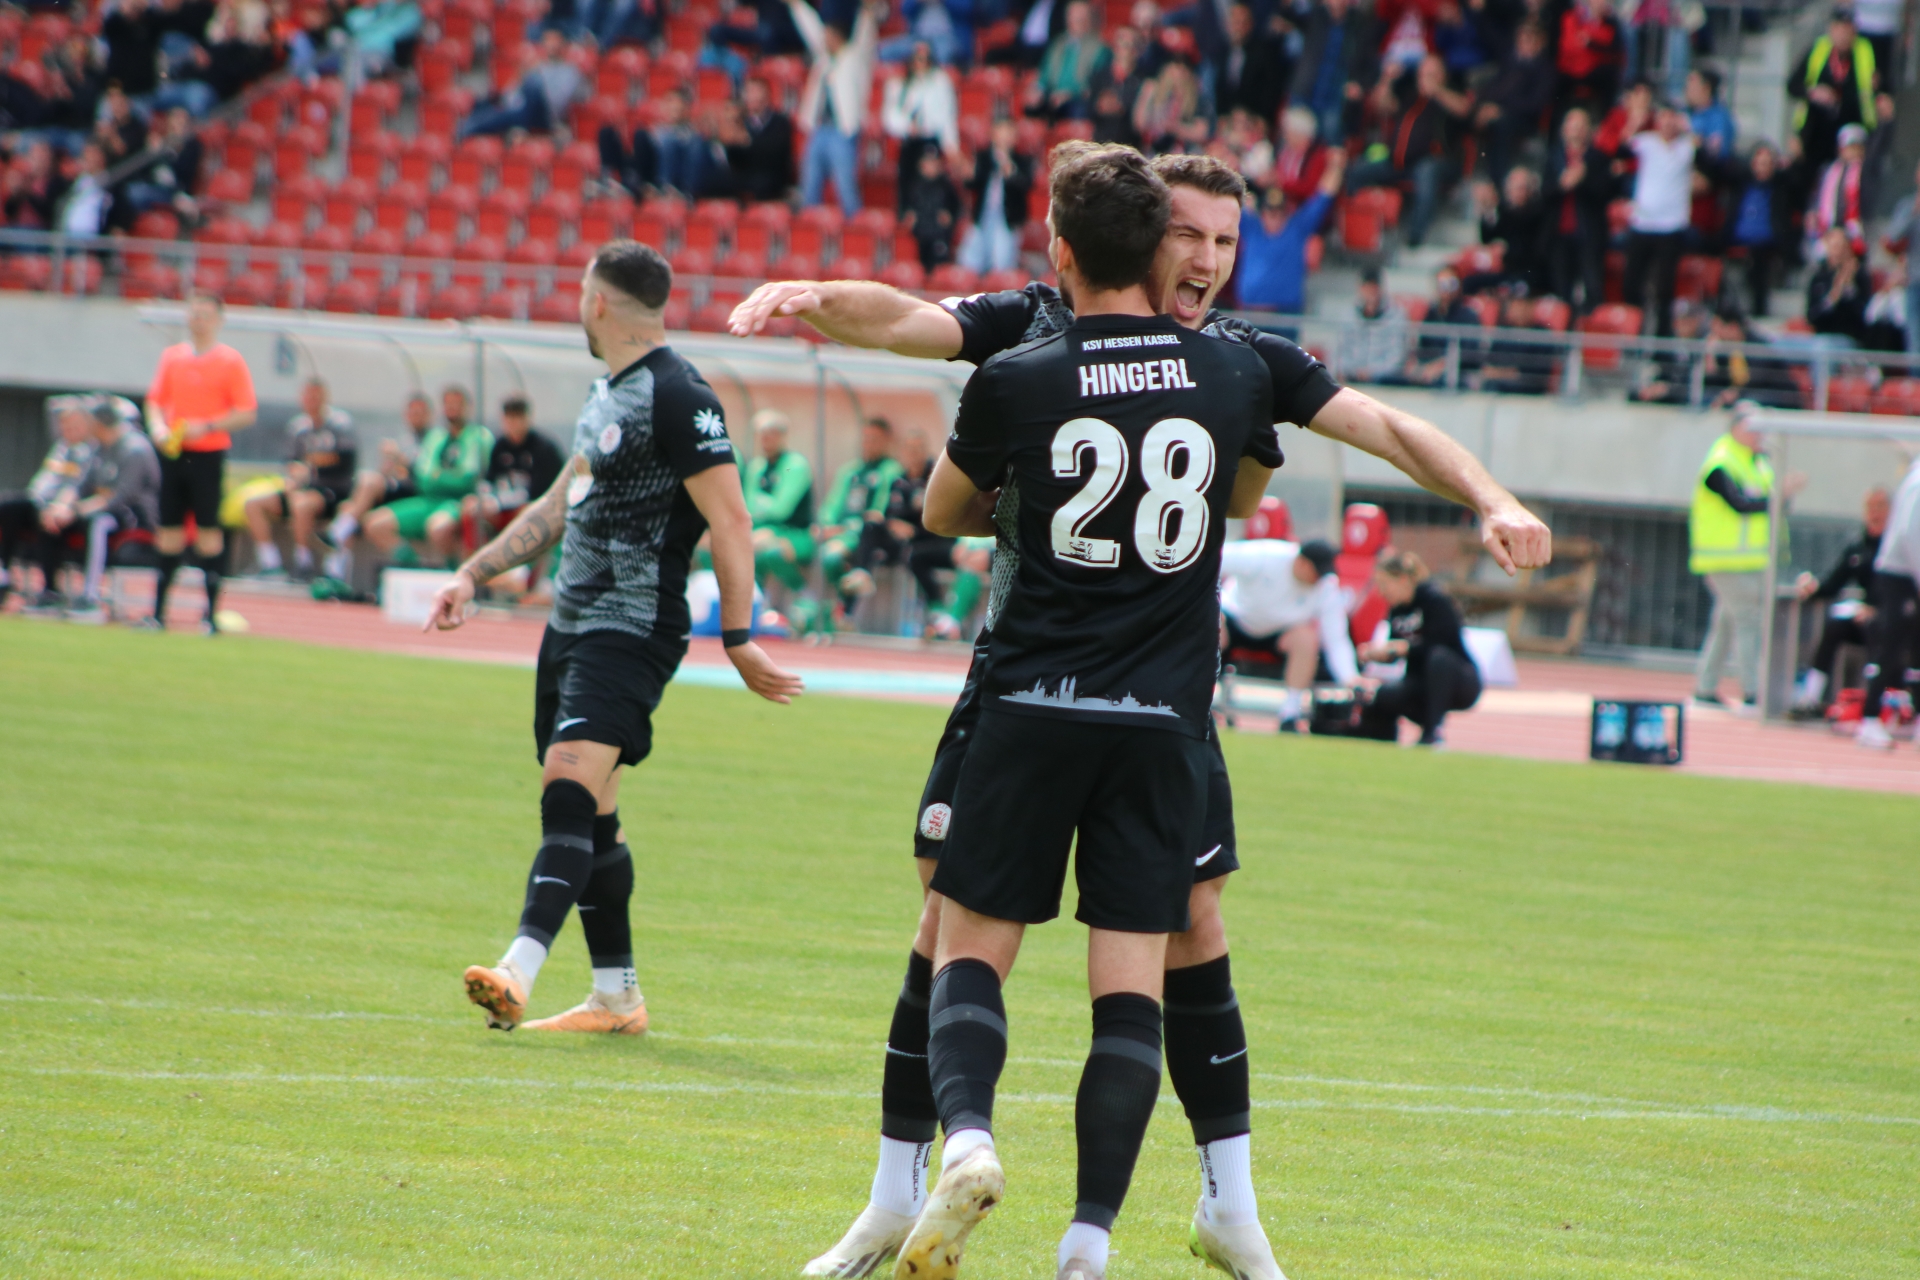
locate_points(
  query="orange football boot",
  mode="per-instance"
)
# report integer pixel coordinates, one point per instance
(500, 992)
(620, 1015)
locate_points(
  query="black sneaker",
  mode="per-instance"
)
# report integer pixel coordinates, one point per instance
(208, 627)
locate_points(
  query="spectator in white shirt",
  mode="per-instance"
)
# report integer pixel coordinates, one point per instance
(1662, 209)
(84, 211)
(834, 106)
(1283, 598)
(922, 110)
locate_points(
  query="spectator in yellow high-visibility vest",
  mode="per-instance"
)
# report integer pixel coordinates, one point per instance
(1728, 532)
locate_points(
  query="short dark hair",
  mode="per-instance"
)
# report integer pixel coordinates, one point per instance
(636, 270)
(1111, 208)
(879, 423)
(1371, 275)
(1201, 172)
(515, 405)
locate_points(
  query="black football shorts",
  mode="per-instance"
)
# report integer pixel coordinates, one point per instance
(192, 484)
(1135, 798)
(1217, 854)
(601, 686)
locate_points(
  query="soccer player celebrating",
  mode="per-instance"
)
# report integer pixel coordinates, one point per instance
(1206, 1038)
(1121, 439)
(651, 471)
(201, 394)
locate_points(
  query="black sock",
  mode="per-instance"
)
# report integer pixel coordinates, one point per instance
(565, 861)
(1207, 1050)
(169, 565)
(1118, 1091)
(967, 1043)
(906, 1084)
(603, 903)
(209, 567)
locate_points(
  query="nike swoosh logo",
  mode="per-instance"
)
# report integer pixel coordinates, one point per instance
(550, 880)
(1207, 857)
(1229, 1058)
(902, 1053)
(568, 724)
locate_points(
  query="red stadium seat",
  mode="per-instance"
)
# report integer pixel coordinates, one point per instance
(210, 275)
(1553, 313)
(620, 72)
(692, 262)
(554, 214)
(609, 218)
(228, 230)
(795, 266)
(1849, 393)
(1478, 260)
(591, 116)
(527, 164)
(1486, 307)
(1699, 278)
(353, 296)
(451, 207)
(577, 255)
(953, 280)
(297, 200)
(157, 224)
(455, 302)
(999, 281)
(557, 308)
(905, 273)
(1414, 306)
(252, 288)
(476, 162)
(711, 317)
(373, 154)
(511, 302)
(850, 269)
(651, 226)
(534, 251)
(374, 106)
(296, 149)
(762, 228)
(231, 186)
(423, 160)
(741, 266)
(678, 312)
(399, 206)
(1609, 317)
(1364, 534)
(430, 244)
(1899, 396)
(442, 111)
(348, 203)
(502, 211)
(379, 242)
(150, 280)
(573, 166)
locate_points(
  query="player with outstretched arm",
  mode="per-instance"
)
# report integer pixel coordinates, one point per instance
(652, 469)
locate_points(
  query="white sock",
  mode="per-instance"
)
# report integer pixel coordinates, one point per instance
(1226, 1177)
(339, 565)
(303, 556)
(613, 982)
(1290, 704)
(1812, 685)
(344, 526)
(1084, 1240)
(268, 555)
(962, 1144)
(529, 955)
(900, 1179)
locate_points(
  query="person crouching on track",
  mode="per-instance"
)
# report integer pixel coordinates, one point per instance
(1424, 628)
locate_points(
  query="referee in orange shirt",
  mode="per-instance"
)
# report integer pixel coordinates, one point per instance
(201, 392)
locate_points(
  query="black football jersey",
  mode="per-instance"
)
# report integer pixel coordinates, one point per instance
(1116, 442)
(631, 525)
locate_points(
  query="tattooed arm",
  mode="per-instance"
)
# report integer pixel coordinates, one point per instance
(538, 527)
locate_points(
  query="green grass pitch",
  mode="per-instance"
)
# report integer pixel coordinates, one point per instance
(1507, 1020)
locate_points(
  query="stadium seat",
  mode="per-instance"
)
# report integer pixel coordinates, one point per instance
(440, 62)
(904, 273)
(398, 207)
(431, 244)
(511, 62)
(502, 212)
(230, 187)
(346, 204)
(510, 302)
(678, 313)
(372, 155)
(442, 111)
(275, 240)
(577, 255)
(997, 281)
(741, 266)
(1609, 317)
(1553, 313)
(710, 317)
(226, 230)
(762, 228)
(814, 232)
(1485, 307)
(252, 288)
(476, 162)
(295, 150)
(554, 215)
(150, 280)
(526, 165)
(353, 296)
(423, 160)
(1478, 260)
(317, 102)
(157, 224)
(1699, 278)
(374, 106)
(610, 218)
(905, 247)
(1849, 392)
(620, 72)
(846, 268)
(691, 262)
(477, 260)
(210, 275)
(1316, 252)
(376, 244)
(267, 109)
(1364, 534)
(1898, 396)
(573, 166)
(297, 200)
(455, 302)
(953, 280)
(651, 226)
(534, 251)
(591, 116)
(556, 308)
(795, 266)
(451, 207)
(1413, 306)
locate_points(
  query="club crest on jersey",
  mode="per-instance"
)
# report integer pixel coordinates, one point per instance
(609, 437)
(936, 821)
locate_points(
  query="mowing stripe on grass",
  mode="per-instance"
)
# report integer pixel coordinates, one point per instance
(1649, 1111)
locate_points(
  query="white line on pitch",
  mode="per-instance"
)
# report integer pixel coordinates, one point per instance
(1764, 1115)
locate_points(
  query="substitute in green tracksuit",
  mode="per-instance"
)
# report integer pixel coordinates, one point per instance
(779, 487)
(453, 457)
(1728, 531)
(858, 498)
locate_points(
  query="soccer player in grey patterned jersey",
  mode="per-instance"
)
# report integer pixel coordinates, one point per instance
(1195, 261)
(652, 469)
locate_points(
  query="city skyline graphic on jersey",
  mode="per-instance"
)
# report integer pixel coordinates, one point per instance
(1069, 698)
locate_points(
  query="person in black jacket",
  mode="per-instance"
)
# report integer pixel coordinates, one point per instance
(1425, 629)
(761, 156)
(1002, 180)
(1513, 106)
(1847, 619)
(1517, 219)
(1837, 292)
(1579, 185)
(931, 210)
(1338, 59)
(132, 34)
(1247, 72)
(1419, 146)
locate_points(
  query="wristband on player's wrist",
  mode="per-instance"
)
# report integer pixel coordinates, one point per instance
(735, 637)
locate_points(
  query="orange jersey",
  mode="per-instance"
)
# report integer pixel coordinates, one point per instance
(191, 388)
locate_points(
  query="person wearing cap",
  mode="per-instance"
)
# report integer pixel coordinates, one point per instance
(1728, 534)
(1283, 599)
(1838, 83)
(1273, 242)
(120, 492)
